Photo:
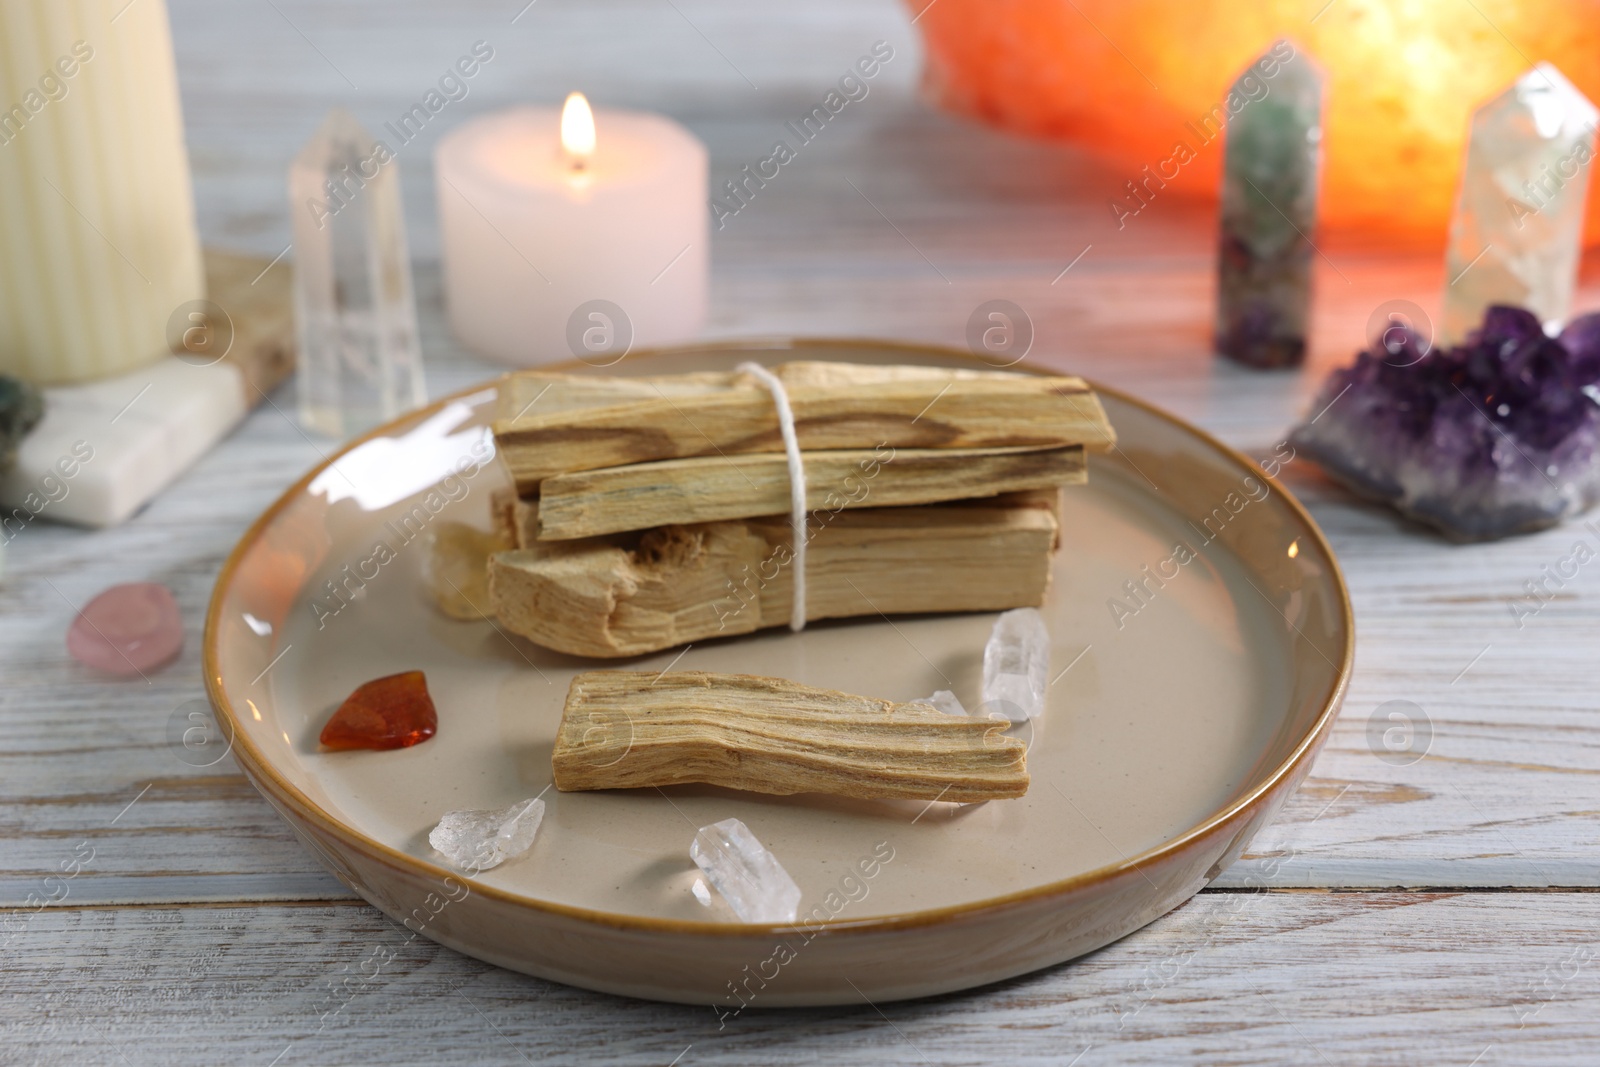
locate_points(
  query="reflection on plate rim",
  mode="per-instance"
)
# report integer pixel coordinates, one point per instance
(263, 774)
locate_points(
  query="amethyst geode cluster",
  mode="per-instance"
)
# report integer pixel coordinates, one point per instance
(1498, 436)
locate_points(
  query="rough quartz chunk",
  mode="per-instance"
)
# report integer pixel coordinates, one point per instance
(750, 878)
(458, 569)
(945, 701)
(1498, 436)
(1016, 665)
(476, 840)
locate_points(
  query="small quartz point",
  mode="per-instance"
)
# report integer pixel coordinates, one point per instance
(945, 701)
(458, 569)
(748, 877)
(360, 362)
(476, 840)
(1517, 231)
(1016, 665)
(1269, 210)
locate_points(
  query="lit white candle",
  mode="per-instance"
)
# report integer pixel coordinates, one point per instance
(97, 236)
(572, 232)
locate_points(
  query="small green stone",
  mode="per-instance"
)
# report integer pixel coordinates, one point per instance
(21, 408)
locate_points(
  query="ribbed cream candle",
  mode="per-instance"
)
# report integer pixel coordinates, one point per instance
(97, 235)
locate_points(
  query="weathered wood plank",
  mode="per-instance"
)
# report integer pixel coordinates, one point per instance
(1274, 978)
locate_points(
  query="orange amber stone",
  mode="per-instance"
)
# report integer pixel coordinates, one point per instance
(392, 712)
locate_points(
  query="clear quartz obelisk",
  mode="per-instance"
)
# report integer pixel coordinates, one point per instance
(1270, 174)
(360, 360)
(1517, 231)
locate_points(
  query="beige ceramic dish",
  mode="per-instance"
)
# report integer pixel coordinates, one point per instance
(1177, 726)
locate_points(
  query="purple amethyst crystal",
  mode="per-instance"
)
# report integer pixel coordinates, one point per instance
(1498, 436)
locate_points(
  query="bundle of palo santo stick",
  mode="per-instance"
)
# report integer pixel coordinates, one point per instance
(648, 512)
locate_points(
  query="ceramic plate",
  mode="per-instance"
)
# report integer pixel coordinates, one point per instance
(1201, 642)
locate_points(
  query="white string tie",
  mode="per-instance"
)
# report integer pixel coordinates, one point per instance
(797, 486)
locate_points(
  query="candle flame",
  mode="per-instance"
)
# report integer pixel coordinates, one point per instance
(577, 129)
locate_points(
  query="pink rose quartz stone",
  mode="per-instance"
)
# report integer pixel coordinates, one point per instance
(127, 630)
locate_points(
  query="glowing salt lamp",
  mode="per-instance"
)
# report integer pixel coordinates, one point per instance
(1124, 76)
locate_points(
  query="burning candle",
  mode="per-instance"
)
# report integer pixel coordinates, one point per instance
(572, 232)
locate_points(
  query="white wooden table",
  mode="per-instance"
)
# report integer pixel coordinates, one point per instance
(1442, 911)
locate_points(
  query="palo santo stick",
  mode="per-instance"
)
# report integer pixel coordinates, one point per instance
(516, 521)
(916, 411)
(503, 502)
(630, 729)
(713, 488)
(549, 392)
(625, 595)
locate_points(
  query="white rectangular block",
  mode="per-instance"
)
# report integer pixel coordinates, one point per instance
(104, 449)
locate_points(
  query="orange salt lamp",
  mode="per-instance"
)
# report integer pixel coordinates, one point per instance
(1124, 76)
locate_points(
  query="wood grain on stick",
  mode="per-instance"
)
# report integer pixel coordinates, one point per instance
(632, 729)
(528, 394)
(853, 408)
(547, 392)
(625, 595)
(712, 488)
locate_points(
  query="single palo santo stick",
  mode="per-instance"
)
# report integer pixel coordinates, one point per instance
(630, 729)
(515, 520)
(980, 411)
(625, 595)
(541, 392)
(712, 488)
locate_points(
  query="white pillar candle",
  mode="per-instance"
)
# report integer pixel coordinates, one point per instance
(97, 235)
(586, 250)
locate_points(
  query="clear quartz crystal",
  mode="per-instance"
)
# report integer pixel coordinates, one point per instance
(1517, 231)
(360, 362)
(946, 701)
(475, 840)
(457, 568)
(748, 877)
(1016, 663)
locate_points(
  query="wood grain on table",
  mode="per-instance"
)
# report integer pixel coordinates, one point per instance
(1433, 911)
